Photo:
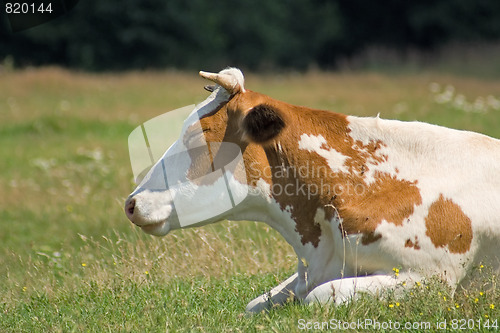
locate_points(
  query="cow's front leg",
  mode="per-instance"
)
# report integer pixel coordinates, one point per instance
(346, 289)
(277, 296)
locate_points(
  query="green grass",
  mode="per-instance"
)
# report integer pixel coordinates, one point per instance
(71, 262)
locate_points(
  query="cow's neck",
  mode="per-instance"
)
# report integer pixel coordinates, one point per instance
(301, 202)
(301, 174)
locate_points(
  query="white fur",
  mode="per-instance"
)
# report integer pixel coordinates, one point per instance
(314, 143)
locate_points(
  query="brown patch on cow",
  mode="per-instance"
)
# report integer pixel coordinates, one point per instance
(448, 226)
(388, 199)
(410, 243)
(369, 238)
(282, 187)
(360, 206)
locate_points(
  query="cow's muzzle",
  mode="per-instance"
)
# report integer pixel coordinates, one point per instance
(156, 227)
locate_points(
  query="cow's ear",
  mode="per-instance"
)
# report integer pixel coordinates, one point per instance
(263, 123)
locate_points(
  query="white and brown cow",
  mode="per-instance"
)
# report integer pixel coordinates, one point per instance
(355, 197)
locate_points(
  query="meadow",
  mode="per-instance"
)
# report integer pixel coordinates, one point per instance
(70, 261)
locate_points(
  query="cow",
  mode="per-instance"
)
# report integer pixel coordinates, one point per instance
(367, 204)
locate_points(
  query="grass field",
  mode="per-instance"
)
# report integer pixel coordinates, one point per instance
(71, 262)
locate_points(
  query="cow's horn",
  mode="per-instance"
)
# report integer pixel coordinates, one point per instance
(227, 81)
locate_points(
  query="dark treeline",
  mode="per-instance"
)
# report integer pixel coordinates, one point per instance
(125, 34)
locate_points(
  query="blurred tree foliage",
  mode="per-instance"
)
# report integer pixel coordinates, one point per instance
(254, 34)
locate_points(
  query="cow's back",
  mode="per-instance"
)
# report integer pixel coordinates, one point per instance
(457, 222)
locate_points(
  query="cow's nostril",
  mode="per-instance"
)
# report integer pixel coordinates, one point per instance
(129, 208)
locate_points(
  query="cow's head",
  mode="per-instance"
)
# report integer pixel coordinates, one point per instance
(215, 164)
